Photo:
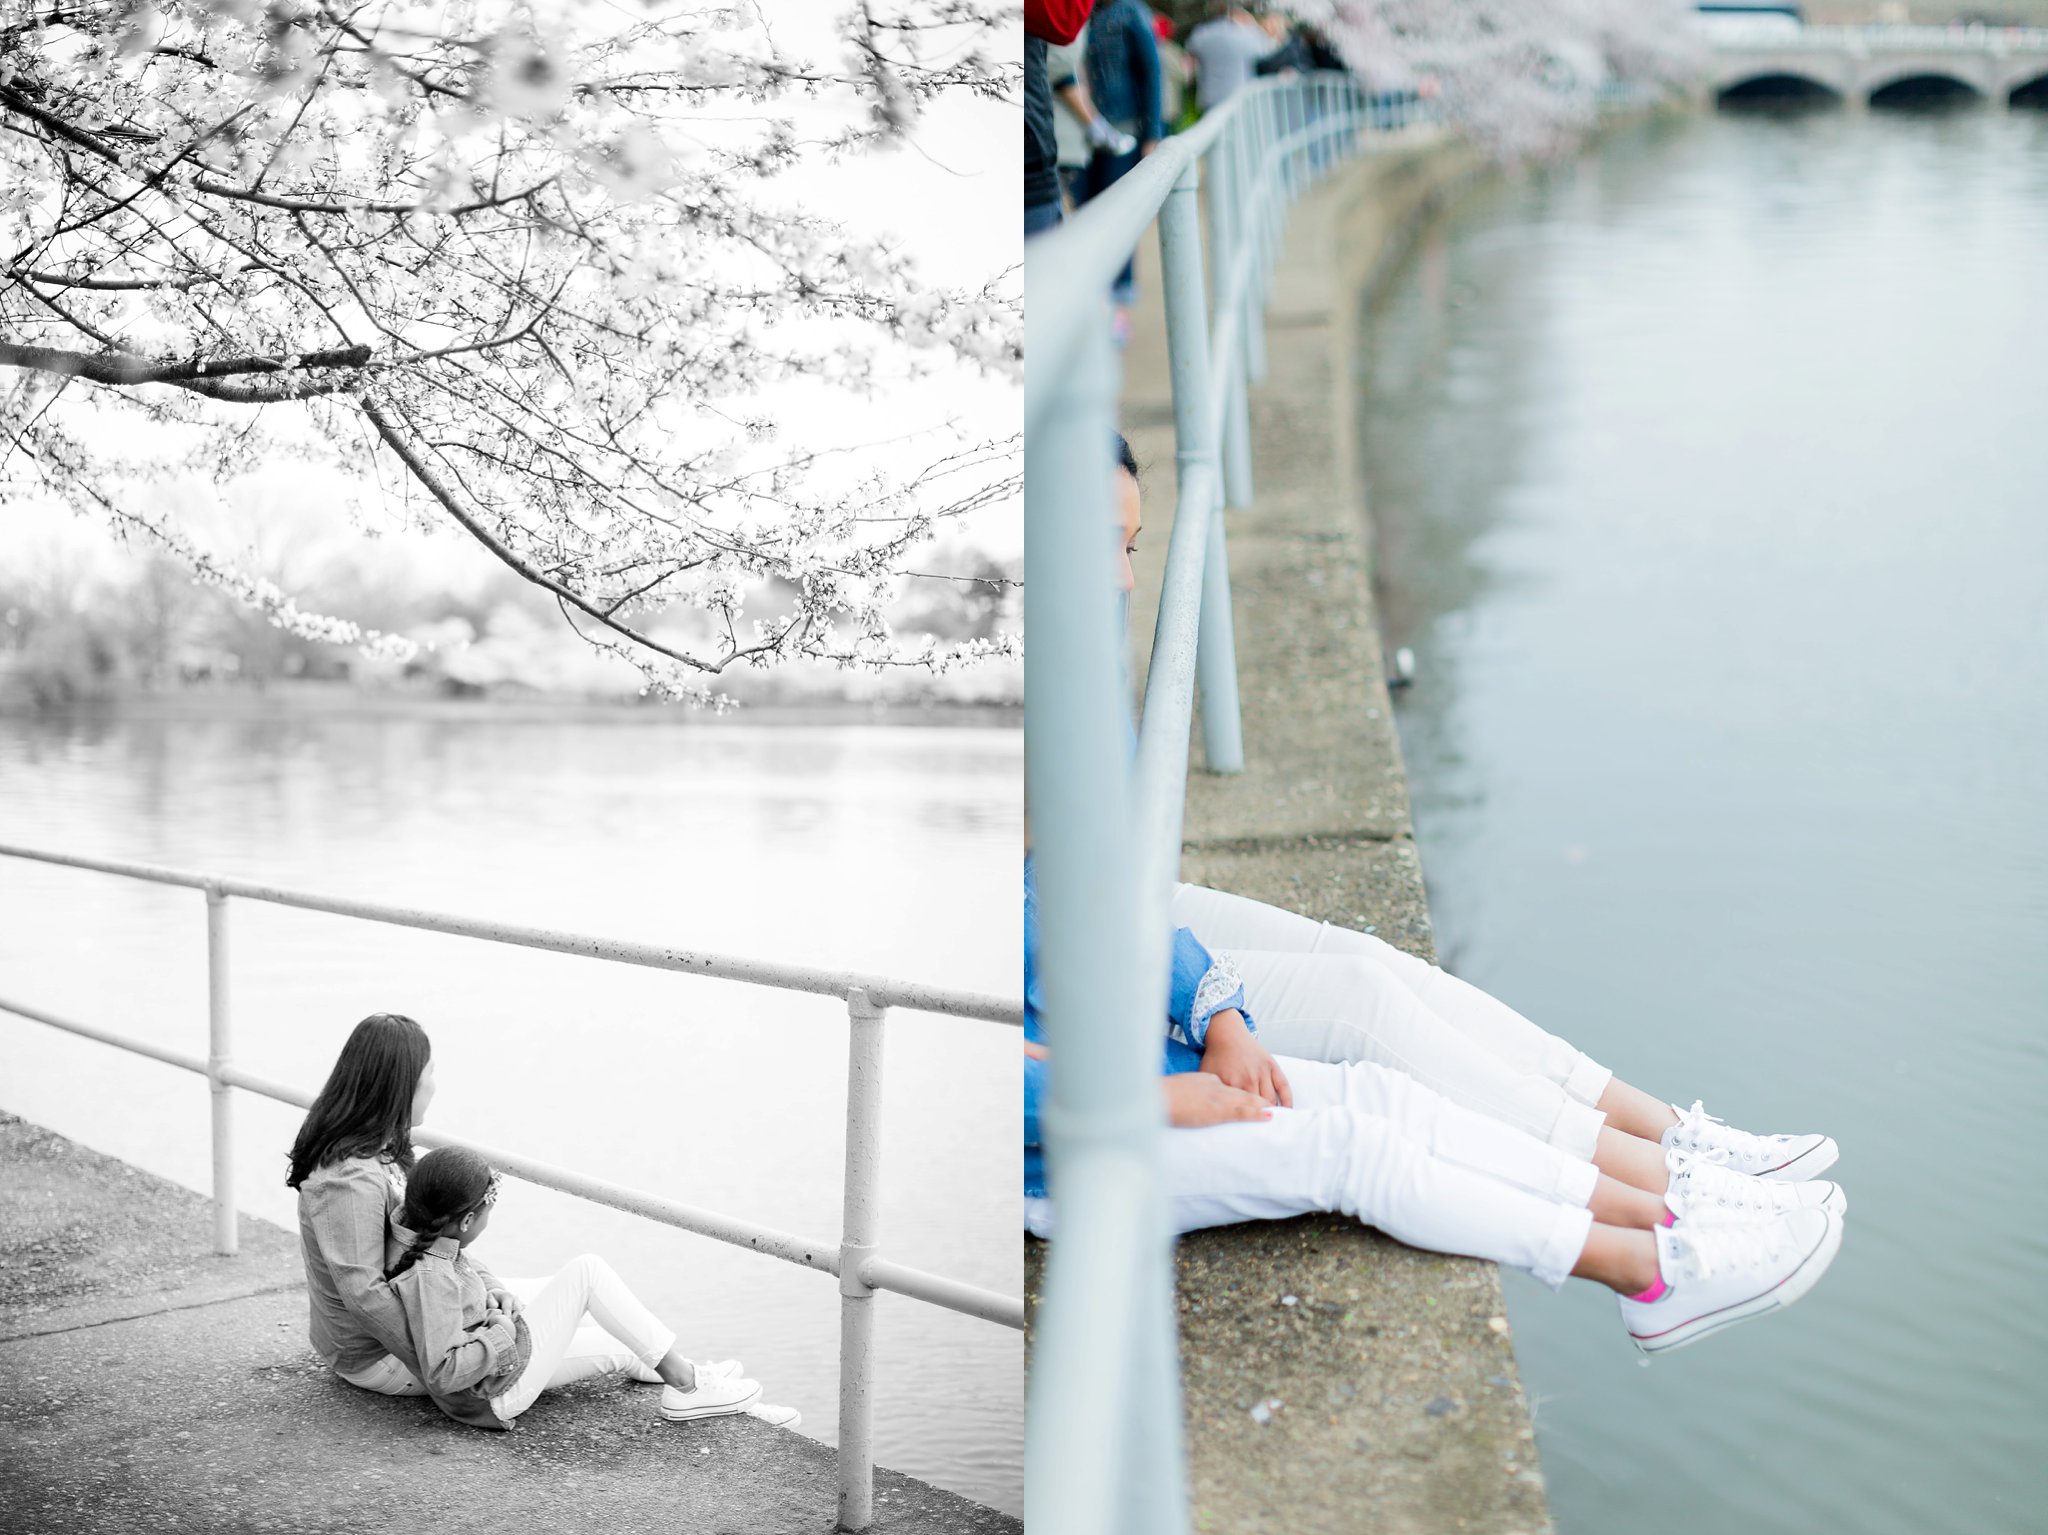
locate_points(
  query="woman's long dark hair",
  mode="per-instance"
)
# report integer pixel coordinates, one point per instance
(365, 1110)
(447, 1185)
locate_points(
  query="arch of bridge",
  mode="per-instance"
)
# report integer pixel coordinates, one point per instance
(2027, 70)
(1995, 70)
(1831, 71)
(1971, 69)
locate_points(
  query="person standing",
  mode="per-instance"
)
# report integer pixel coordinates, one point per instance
(1046, 22)
(1225, 50)
(1081, 130)
(1123, 82)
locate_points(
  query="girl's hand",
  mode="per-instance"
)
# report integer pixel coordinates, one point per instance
(1194, 1099)
(1036, 1051)
(504, 1300)
(1234, 1057)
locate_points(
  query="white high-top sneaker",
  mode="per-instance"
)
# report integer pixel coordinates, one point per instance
(1787, 1158)
(1716, 1276)
(1703, 1190)
(712, 1397)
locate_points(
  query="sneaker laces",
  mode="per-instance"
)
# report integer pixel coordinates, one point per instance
(1713, 1137)
(1696, 1119)
(1684, 1163)
(1703, 1254)
(1706, 1178)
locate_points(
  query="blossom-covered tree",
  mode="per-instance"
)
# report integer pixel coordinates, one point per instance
(521, 266)
(1521, 78)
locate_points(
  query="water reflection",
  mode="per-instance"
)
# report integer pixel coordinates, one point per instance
(1706, 474)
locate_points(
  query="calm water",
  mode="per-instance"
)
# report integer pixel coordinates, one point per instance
(1712, 480)
(885, 850)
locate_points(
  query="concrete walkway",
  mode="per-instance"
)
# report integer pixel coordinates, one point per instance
(148, 1385)
(1335, 1381)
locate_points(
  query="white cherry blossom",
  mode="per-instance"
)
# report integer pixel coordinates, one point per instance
(522, 266)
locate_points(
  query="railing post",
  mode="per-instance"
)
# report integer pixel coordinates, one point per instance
(218, 1049)
(1226, 244)
(859, 1232)
(1258, 178)
(1187, 342)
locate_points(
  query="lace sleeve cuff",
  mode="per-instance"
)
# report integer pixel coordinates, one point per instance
(1221, 986)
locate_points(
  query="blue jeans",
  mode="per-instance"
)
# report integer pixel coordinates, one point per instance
(1038, 219)
(1104, 171)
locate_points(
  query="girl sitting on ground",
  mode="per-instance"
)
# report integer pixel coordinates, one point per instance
(485, 1365)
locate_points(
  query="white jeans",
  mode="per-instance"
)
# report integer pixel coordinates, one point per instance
(626, 1336)
(573, 1351)
(1372, 1143)
(1326, 993)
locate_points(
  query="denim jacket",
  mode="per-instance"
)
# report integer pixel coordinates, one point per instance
(467, 1352)
(1202, 985)
(1123, 68)
(345, 1212)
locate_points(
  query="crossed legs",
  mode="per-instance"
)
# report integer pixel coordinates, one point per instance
(625, 1336)
(1372, 1143)
(1326, 993)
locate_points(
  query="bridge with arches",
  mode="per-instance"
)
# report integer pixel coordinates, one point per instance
(1872, 65)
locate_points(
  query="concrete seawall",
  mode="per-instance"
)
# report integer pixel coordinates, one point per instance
(1335, 1381)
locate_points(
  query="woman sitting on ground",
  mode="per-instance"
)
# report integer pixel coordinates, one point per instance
(350, 1164)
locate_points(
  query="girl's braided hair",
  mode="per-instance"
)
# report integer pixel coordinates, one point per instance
(446, 1185)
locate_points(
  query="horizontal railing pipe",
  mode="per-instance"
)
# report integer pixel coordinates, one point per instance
(937, 1290)
(882, 990)
(1072, 266)
(805, 1252)
(193, 1063)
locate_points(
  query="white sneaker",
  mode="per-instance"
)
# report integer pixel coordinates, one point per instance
(713, 1369)
(1786, 1158)
(1716, 1276)
(781, 1417)
(712, 1398)
(1703, 1190)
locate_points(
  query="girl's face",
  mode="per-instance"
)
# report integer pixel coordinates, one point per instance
(1129, 510)
(423, 1094)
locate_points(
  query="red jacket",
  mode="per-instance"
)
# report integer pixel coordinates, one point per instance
(1057, 21)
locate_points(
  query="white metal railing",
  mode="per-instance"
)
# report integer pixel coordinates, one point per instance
(853, 1259)
(1103, 1425)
